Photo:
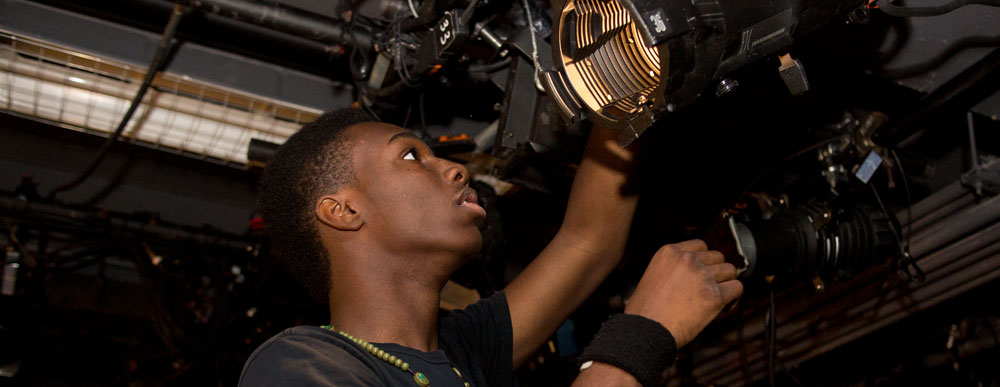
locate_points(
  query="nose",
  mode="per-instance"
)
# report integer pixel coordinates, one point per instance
(455, 172)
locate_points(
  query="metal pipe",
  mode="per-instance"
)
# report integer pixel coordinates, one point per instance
(950, 271)
(278, 17)
(956, 205)
(985, 268)
(978, 268)
(215, 31)
(946, 265)
(23, 211)
(942, 197)
(946, 231)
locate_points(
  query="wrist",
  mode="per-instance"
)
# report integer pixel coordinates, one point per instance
(594, 373)
(642, 347)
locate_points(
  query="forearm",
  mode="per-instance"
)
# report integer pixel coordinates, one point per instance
(602, 202)
(587, 247)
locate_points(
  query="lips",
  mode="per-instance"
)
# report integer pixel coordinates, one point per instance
(468, 198)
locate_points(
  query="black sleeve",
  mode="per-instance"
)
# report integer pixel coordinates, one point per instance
(291, 359)
(480, 337)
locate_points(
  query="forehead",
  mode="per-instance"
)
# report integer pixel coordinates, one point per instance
(370, 140)
(368, 132)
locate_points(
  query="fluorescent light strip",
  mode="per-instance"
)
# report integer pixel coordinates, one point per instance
(83, 100)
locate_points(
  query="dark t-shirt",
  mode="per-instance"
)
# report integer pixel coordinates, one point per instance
(476, 340)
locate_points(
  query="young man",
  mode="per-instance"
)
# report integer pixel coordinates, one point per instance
(369, 218)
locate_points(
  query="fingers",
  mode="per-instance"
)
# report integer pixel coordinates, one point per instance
(730, 290)
(722, 272)
(711, 257)
(692, 245)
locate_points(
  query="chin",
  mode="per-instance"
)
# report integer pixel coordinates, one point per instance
(473, 249)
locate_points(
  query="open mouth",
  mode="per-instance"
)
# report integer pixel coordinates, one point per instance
(469, 199)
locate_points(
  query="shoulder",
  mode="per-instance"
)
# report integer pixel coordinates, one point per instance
(490, 309)
(479, 339)
(306, 356)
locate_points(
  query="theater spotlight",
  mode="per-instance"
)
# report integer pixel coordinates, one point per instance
(626, 63)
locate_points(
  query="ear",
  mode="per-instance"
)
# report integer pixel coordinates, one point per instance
(338, 212)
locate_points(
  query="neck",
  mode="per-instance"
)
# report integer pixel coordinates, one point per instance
(385, 302)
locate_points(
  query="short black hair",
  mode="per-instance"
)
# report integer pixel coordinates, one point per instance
(313, 162)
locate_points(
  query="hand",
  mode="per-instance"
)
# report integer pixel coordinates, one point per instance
(684, 287)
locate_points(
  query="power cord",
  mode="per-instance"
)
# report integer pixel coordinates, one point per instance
(159, 58)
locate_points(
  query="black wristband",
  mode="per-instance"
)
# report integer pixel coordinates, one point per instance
(637, 345)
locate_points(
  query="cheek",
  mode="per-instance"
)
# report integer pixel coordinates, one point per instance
(403, 203)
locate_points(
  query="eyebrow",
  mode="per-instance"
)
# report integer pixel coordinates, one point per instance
(400, 135)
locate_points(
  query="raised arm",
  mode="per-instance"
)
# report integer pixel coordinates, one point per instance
(587, 247)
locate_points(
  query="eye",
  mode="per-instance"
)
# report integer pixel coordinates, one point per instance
(411, 154)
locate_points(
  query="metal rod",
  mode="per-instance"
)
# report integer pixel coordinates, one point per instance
(278, 17)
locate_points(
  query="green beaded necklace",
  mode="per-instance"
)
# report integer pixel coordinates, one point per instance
(418, 377)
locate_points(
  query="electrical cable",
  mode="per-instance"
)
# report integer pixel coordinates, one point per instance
(413, 9)
(488, 68)
(534, 45)
(159, 59)
(904, 11)
(791, 157)
(469, 10)
(909, 200)
(907, 261)
(399, 46)
(897, 234)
